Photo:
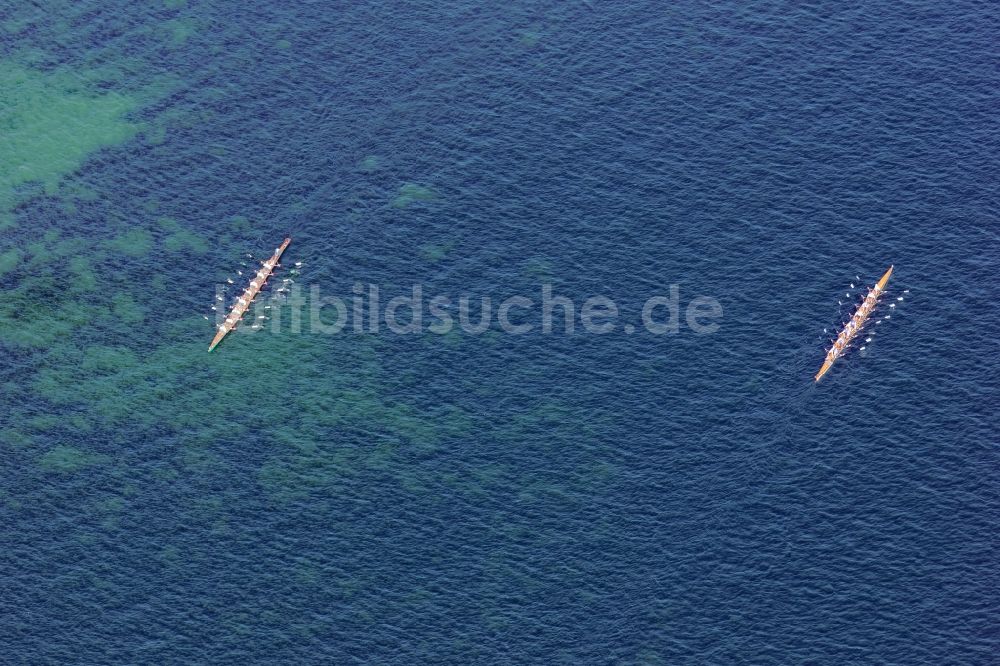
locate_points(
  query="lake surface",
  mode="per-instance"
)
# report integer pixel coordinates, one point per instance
(545, 498)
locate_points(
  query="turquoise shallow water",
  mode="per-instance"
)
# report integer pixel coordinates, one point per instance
(637, 499)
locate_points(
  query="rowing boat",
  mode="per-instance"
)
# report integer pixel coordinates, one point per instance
(246, 298)
(855, 325)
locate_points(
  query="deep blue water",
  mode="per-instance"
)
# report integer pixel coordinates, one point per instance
(497, 499)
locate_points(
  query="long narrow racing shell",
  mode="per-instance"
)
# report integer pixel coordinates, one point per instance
(246, 298)
(854, 326)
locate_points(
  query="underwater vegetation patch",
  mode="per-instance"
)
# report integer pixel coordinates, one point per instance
(530, 38)
(9, 260)
(84, 278)
(181, 239)
(51, 124)
(369, 164)
(411, 192)
(27, 322)
(108, 359)
(133, 243)
(538, 268)
(434, 253)
(67, 459)
(179, 30)
(126, 309)
(14, 438)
